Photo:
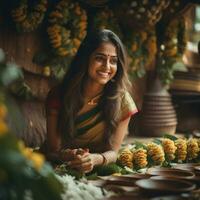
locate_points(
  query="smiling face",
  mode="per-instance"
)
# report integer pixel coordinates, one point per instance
(103, 64)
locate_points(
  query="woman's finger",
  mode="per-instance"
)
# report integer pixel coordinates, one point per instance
(86, 167)
(79, 161)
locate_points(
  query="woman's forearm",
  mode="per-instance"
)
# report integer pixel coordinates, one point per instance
(104, 158)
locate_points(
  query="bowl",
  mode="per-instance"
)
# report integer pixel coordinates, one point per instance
(171, 197)
(164, 186)
(121, 188)
(122, 181)
(197, 168)
(186, 166)
(171, 173)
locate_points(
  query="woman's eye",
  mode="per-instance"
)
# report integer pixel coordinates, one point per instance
(113, 61)
(99, 58)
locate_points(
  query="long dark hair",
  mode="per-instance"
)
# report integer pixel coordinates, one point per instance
(72, 85)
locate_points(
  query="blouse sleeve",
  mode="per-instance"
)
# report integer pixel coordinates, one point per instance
(128, 107)
(53, 100)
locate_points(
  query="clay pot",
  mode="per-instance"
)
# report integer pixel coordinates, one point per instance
(158, 115)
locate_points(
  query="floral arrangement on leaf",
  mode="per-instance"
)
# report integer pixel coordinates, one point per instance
(171, 49)
(27, 19)
(163, 152)
(68, 23)
(141, 48)
(139, 14)
(105, 19)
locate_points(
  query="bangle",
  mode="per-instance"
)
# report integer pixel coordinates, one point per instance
(104, 159)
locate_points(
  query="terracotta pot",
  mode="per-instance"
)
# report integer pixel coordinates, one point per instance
(158, 115)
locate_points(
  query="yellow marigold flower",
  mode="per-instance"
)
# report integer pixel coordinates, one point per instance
(181, 151)
(27, 152)
(192, 149)
(77, 10)
(134, 47)
(82, 25)
(151, 45)
(143, 35)
(169, 148)
(170, 52)
(21, 145)
(77, 42)
(126, 158)
(47, 71)
(83, 18)
(198, 141)
(3, 127)
(3, 111)
(156, 153)
(56, 14)
(38, 160)
(140, 157)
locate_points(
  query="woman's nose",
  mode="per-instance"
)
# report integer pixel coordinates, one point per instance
(107, 62)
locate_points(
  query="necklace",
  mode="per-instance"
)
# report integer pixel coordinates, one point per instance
(93, 101)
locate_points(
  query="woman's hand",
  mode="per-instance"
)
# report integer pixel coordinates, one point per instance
(82, 162)
(68, 154)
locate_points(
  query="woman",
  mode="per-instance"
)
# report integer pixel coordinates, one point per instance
(88, 114)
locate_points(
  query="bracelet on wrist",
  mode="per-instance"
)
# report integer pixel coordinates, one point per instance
(104, 159)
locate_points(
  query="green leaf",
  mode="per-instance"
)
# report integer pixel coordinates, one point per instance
(171, 137)
(107, 169)
(140, 145)
(157, 141)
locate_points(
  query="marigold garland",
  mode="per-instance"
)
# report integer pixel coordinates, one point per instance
(169, 148)
(140, 157)
(162, 152)
(3, 125)
(172, 48)
(181, 152)
(68, 28)
(137, 14)
(27, 21)
(193, 149)
(126, 158)
(105, 18)
(141, 47)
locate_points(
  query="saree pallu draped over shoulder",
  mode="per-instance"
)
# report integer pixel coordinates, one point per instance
(90, 126)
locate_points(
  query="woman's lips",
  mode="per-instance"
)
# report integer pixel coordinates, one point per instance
(104, 74)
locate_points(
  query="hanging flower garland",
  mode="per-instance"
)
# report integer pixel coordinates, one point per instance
(68, 28)
(28, 21)
(133, 13)
(105, 18)
(172, 48)
(95, 3)
(141, 48)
